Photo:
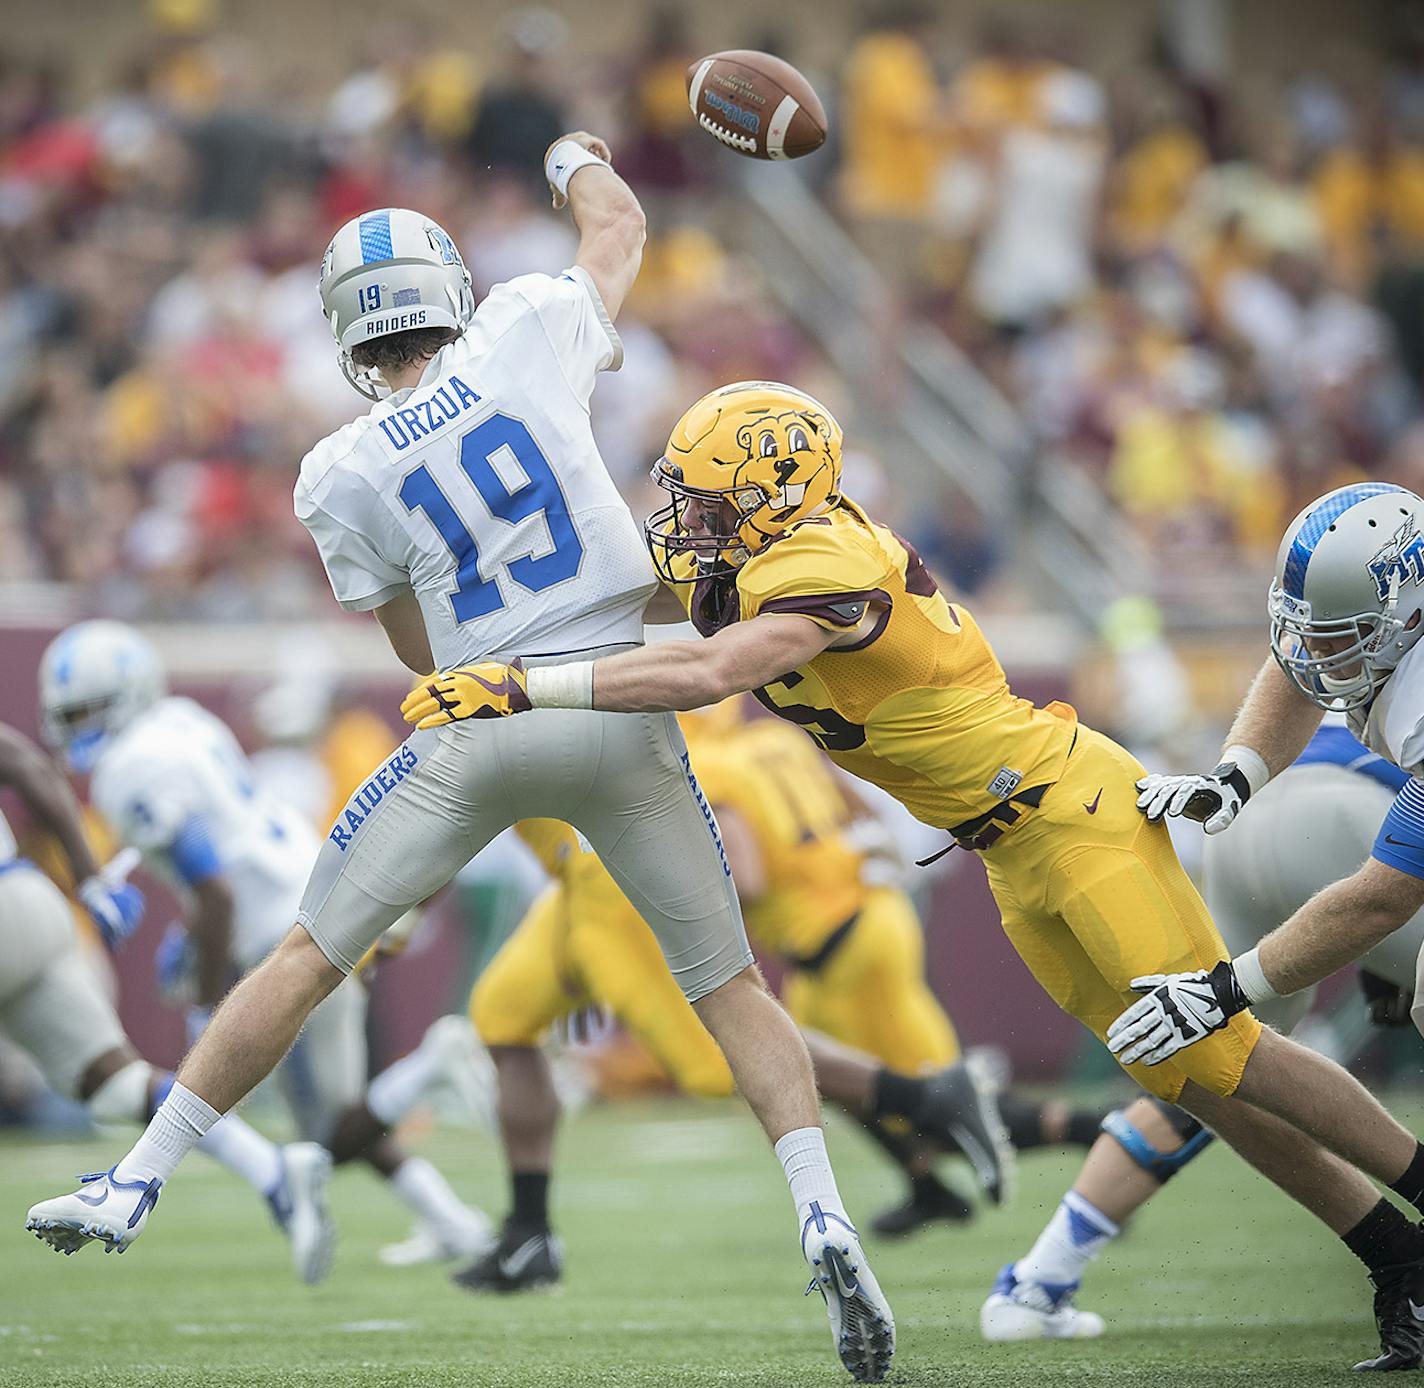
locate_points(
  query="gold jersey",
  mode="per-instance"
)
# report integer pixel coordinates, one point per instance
(919, 704)
(776, 781)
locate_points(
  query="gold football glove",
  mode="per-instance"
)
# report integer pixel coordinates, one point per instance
(486, 690)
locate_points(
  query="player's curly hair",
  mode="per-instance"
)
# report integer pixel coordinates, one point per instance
(392, 351)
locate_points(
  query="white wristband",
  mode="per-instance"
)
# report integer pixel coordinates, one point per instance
(564, 161)
(1251, 765)
(1251, 977)
(561, 686)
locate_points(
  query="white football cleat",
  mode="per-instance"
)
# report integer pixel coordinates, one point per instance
(306, 1169)
(463, 1069)
(1019, 1310)
(422, 1245)
(428, 1243)
(861, 1320)
(105, 1209)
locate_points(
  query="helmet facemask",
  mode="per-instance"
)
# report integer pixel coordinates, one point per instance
(78, 730)
(1361, 652)
(367, 379)
(710, 525)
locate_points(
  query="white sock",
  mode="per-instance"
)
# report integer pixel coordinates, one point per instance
(428, 1193)
(399, 1087)
(802, 1153)
(242, 1149)
(1076, 1234)
(182, 1121)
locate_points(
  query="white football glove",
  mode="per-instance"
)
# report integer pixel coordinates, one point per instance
(883, 862)
(1177, 1011)
(1215, 798)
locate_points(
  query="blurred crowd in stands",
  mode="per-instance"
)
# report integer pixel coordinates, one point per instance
(1214, 307)
(1210, 303)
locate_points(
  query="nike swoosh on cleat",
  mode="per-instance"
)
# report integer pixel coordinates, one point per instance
(846, 1289)
(98, 1199)
(980, 1158)
(1416, 1310)
(513, 1265)
(1093, 808)
(1404, 843)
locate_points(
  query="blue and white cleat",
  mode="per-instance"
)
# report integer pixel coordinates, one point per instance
(104, 1209)
(298, 1204)
(1019, 1310)
(861, 1320)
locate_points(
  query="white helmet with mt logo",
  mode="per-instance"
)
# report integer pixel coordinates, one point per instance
(1347, 601)
(391, 271)
(95, 679)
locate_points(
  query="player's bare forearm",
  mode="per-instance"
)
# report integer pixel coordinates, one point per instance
(210, 929)
(670, 676)
(48, 798)
(611, 227)
(1275, 719)
(675, 675)
(1338, 925)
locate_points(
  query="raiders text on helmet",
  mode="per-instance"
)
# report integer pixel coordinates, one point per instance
(391, 271)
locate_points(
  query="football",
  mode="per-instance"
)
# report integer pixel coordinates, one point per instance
(756, 104)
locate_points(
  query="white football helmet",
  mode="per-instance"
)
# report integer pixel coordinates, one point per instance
(391, 271)
(1347, 600)
(95, 679)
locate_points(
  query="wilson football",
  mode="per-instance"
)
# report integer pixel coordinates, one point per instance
(756, 104)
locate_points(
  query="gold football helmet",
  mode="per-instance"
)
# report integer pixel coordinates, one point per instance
(743, 465)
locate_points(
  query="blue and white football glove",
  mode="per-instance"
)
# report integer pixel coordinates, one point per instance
(1177, 1011)
(174, 965)
(116, 908)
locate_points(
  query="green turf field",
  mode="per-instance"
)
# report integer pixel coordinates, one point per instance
(682, 1270)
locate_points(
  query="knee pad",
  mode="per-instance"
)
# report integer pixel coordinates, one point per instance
(123, 1097)
(1162, 1165)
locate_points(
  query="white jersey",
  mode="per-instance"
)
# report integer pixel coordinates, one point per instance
(482, 489)
(177, 769)
(1393, 726)
(9, 849)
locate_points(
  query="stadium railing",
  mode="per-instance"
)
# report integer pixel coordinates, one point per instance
(951, 422)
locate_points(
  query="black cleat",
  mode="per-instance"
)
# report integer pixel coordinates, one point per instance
(524, 1259)
(1400, 1318)
(962, 1114)
(929, 1200)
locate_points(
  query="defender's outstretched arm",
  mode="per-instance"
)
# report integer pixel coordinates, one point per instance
(667, 677)
(693, 674)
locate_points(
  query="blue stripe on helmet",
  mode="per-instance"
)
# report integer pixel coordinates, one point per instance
(1317, 523)
(375, 229)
